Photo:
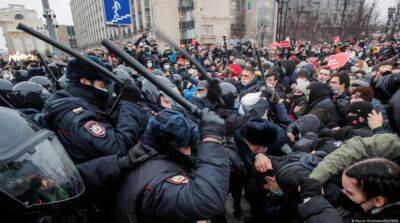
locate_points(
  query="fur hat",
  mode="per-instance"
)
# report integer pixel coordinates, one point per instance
(260, 132)
(170, 129)
(77, 69)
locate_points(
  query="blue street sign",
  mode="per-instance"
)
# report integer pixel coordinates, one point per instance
(118, 12)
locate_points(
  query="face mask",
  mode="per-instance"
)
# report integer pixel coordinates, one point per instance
(335, 91)
(354, 69)
(244, 82)
(166, 67)
(149, 65)
(200, 96)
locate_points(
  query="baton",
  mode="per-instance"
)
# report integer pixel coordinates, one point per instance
(46, 68)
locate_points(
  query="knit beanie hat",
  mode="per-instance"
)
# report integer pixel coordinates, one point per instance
(361, 108)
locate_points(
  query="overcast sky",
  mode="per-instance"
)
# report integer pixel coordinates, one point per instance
(64, 17)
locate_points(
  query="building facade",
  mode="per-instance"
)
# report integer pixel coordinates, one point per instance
(181, 20)
(254, 19)
(312, 19)
(18, 41)
(66, 36)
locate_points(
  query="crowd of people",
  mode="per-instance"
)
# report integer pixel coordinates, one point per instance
(280, 129)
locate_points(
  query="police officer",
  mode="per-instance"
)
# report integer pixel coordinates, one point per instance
(5, 92)
(77, 115)
(172, 186)
(29, 97)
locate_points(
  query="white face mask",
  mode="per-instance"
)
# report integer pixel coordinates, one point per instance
(166, 67)
(245, 83)
(200, 96)
(149, 65)
(354, 69)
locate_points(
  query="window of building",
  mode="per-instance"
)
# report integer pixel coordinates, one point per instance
(186, 5)
(207, 29)
(186, 25)
(70, 31)
(19, 17)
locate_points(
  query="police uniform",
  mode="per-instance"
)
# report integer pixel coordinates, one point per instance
(76, 115)
(88, 133)
(162, 190)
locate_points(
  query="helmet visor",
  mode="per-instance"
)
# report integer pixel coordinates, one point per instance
(43, 175)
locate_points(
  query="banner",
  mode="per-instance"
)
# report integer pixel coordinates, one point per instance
(285, 44)
(338, 60)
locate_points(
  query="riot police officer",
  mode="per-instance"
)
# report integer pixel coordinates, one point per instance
(40, 183)
(77, 114)
(5, 92)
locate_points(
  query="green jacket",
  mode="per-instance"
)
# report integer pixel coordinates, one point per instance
(385, 145)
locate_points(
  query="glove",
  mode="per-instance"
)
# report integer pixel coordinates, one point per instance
(270, 94)
(130, 91)
(310, 188)
(132, 160)
(211, 125)
(267, 92)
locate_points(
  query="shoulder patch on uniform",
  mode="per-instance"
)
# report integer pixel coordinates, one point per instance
(96, 129)
(178, 179)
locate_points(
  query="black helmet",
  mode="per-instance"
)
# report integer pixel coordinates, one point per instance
(122, 74)
(35, 170)
(5, 87)
(151, 92)
(21, 75)
(55, 70)
(28, 95)
(63, 82)
(130, 70)
(5, 92)
(42, 81)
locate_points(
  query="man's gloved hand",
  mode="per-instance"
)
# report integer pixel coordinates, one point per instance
(310, 187)
(132, 160)
(130, 91)
(270, 94)
(211, 125)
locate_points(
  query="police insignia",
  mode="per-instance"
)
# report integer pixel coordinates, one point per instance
(95, 129)
(178, 179)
